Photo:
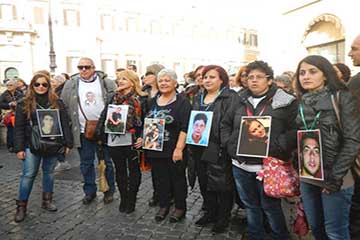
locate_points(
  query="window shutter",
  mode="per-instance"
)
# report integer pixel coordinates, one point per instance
(78, 18)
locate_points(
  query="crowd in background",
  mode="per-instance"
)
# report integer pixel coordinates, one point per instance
(295, 100)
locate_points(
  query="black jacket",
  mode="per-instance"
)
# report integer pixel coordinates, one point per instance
(281, 106)
(6, 97)
(22, 128)
(339, 145)
(218, 168)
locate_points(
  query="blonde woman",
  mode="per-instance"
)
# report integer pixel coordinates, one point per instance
(122, 147)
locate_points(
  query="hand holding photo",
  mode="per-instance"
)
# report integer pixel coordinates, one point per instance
(254, 136)
(49, 122)
(310, 154)
(199, 128)
(116, 119)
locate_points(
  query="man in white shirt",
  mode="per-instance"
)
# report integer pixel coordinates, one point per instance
(85, 96)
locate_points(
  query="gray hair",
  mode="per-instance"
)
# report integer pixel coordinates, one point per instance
(59, 78)
(284, 79)
(168, 72)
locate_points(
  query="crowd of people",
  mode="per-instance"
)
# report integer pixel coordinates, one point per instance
(254, 115)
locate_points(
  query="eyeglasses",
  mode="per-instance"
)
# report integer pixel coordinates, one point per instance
(253, 77)
(10, 85)
(45, 85)
(86, 67)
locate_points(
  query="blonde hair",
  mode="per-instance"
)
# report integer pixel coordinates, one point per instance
(134, 78)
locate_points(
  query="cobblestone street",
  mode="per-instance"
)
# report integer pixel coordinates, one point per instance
(73, 220)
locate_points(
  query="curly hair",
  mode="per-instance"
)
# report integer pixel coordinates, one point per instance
(262, 66)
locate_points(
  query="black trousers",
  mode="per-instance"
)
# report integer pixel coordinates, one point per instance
(355, 212)
(217, 203)
(127, 169)
(171, 179)
(202, 178)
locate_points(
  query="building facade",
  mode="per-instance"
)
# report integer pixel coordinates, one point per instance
(116, 34)
(323, 27)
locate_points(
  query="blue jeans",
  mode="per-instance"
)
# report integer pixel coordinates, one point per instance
(30, 169)
(252, 194)
(327, 214)
(87, 153)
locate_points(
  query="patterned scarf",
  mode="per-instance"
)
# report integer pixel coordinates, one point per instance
(134, 112)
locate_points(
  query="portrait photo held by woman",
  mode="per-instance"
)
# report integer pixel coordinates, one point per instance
(199, 128)
(49, 122)
(327, 204)
(310, 154)
(39, 96)
(153, 134)
(254, 136)
(116, 119)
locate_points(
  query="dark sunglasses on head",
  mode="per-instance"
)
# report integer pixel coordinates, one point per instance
(45, 85)
(87, 67)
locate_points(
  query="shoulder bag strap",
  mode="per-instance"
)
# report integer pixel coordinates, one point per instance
(335, 103)
(82, 111)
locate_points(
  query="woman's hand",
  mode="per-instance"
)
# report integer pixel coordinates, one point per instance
(177, 155)
(138, 143)
(67, 151)
(20, 155)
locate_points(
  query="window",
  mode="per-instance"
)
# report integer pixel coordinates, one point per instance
(71, 18)
(253, 40)
(154, 27)
(39, 15)
(107, 22)
(131, 24)
(11, 73)
(8, 12)
(71, 64)
(108, 66)
(333, 51)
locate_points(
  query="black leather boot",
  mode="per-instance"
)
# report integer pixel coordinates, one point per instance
(131, 202)
(20, 210)
(47, 202)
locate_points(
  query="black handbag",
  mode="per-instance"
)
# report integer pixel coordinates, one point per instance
(45, 146)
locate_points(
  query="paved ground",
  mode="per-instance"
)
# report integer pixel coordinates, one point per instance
(73, 220)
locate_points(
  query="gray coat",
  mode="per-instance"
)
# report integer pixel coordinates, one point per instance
(70, 98)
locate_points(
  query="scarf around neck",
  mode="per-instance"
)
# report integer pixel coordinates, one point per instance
(134, 112)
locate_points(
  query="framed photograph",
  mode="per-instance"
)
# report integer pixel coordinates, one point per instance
(254, 136)
(49, 122)
(116, 117)
(198, 132)
(154, 134)
(310, 154)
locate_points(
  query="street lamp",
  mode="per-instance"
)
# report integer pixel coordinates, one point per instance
(51, 42)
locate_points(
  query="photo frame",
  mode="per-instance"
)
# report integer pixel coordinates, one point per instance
(311, 165)
(49, 122)
(116, 117)
(198, 132)
(254, 136)
(153, 134)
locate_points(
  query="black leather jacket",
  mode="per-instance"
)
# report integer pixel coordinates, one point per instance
(339, 145)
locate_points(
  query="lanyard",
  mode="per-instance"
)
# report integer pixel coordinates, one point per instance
(249, 113)
(210, 104)
(155, 111)
(303, 118)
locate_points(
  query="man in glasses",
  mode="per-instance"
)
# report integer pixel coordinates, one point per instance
(76, 94)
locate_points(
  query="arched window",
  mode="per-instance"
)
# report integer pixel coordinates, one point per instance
(11, 73)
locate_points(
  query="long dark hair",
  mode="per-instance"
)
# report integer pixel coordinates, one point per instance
(332, 80)
(30, 98)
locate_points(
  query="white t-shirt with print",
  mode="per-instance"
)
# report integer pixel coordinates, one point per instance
(91, 100)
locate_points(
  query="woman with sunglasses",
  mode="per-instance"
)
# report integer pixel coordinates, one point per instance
(321, 92)
(39, 95)
(123, 147)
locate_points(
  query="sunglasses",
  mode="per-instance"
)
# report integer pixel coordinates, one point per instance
(86, 67)
(45, 85)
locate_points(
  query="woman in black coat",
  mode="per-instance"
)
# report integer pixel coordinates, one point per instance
(211, 163)
(39, 96)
